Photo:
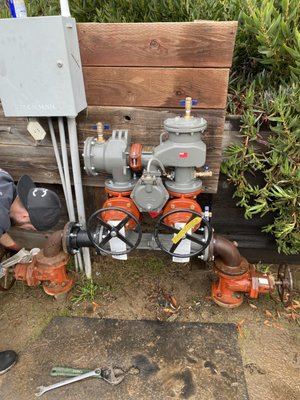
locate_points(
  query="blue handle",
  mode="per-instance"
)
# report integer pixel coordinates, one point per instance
(194, 102)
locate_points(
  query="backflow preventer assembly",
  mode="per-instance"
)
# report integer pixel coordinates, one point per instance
(165, 183)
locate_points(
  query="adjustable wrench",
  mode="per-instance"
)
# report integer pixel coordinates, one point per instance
(43, 389)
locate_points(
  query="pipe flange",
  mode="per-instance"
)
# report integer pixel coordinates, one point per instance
(69, 236)
(241, 269)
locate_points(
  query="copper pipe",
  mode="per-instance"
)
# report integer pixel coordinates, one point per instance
(227, 251)
(53, 245)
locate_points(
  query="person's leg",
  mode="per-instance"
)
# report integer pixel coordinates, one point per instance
(8, 358)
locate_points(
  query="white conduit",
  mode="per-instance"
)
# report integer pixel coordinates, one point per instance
(69, 201)
(69, 198)
(68, 194)
(65, 12)
(78, 188)
(58, 160)
(64, 8)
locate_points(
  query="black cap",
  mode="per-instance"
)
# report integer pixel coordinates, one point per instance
(42, 204)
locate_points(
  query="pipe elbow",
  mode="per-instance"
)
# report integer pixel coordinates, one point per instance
(53, 245)
(227, 251)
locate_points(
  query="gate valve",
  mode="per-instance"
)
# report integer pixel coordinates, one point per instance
(236, 282)
(101, 232)
(285, 285)
(49, 270)
(195, 228)
(120, 200)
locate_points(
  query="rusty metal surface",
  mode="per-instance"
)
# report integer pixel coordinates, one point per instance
(53, 244)
(240, 269)
(227, 251)
(175, 360)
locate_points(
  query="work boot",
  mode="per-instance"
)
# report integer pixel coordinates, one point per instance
(8, 358)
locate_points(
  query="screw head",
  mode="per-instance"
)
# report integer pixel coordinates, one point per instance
(60, 64)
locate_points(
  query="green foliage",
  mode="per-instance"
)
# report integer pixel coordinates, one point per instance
(86, 291)
(264, 90)
(268, 92)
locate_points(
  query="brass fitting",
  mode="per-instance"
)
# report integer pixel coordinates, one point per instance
(100, 137)
(201, 174)
(188, 107)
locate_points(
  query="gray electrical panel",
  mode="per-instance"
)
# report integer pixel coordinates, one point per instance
(40, 67)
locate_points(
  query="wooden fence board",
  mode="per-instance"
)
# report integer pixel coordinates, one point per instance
(155, 87)
(19, 156)
(144, 124)
(187, 44)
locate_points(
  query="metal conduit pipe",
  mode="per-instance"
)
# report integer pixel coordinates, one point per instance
(227, 251)
(64, 8)
(72, 130)
(68, 195)
(58, 160)
(53, 245)
(62, 174)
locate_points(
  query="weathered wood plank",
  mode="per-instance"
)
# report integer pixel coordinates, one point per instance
(184, 44)
(155, 87)
(144, 125)
(40, 164)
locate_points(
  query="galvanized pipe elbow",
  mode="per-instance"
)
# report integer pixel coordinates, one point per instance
(227, 251)
(53, 245)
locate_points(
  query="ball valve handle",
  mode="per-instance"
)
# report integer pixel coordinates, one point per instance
(188, 103)
(100, 127)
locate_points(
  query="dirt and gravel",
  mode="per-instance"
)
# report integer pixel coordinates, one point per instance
(151, 287)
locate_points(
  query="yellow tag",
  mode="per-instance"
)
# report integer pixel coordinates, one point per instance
(185, 229)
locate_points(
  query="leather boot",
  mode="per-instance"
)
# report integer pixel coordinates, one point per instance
(7, 359)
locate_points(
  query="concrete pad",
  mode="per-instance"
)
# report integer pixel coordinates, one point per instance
(175, 360)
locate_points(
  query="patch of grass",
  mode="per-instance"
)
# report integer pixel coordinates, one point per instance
(264, 268)
(37, 331)
(85, 291)
(149, 265)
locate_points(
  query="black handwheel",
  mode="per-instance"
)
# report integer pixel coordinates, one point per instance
(285, 284)
(199, 240)
(101, 232)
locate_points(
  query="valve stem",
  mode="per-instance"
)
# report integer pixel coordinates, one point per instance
(100, 137)
(188, 107)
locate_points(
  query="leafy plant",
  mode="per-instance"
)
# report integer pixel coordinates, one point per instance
(270, 94)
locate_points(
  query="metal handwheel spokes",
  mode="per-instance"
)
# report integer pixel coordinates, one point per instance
(200, 235)
(285, 284)
(7, 280)
(98, 223)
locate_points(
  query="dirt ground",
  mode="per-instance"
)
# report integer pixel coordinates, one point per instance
(151, 287)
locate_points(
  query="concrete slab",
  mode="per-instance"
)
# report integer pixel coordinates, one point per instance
(175, 360)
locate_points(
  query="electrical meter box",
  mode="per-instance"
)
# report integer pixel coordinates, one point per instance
(40, 67)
